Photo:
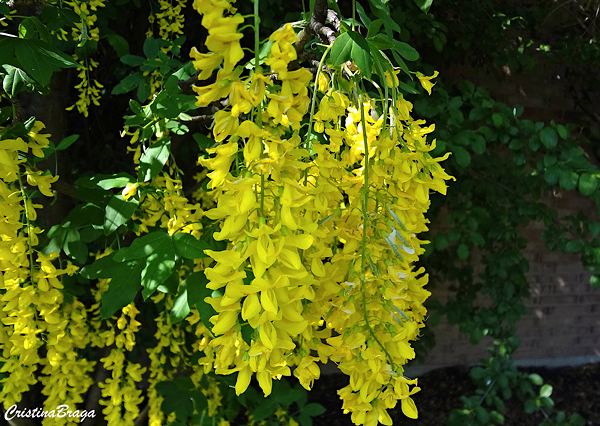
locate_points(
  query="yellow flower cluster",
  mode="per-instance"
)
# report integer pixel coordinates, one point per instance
(321, 233)
(170, 19)
(89, 89)
(122, 397)
(34, 313)
(165, 357)
(85, 10)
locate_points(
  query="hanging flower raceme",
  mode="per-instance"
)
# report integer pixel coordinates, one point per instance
(321, 233)
(34, 314)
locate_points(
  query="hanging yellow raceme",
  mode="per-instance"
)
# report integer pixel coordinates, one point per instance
(321, 233)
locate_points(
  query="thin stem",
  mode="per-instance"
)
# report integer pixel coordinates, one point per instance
(262, 196)
(353, 13)
(29, 230)
(256, 34)
(364, 236)
(314, 96)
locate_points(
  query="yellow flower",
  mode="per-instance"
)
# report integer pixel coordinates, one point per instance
(426, 81)
(130, 190)
(43, 182)
(205, 62)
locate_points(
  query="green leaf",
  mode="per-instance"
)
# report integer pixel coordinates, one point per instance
(313, 409)
(568, 180)
(594, 228)
(577, 420)
(497, 119)
(536, 379)
(177, 127)
(406, 50)
(197, 291)
(144, 246)
(305, 420)
(588, 184)
(463, 252)
(176, 397)
(101, 268)
(482, 415)
(462, 156)
(118, 212)
(530, 406)
(181, 308)
(562, 131)
(382, 11)
(58, 17)
(123, 287)
(264, 410)
(153, 160)
(546, 391)
(478, 144)
(424, 5)
(118, 43)
(574, 246)
(105, 182)
(40, 59)
(67, 142)
(132, 60)
(16, 80)
(159, 267)
(363, 15)
(374, 28)
(151, 48)
(351, 46)
(128, 83)
(549, 137)
(186, 245)
(74, 247)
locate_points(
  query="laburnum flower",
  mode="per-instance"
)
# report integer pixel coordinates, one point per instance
(37, 140)
(205, 62)
(223, 38)
(130, 190)
(426, 81)
(282, 51)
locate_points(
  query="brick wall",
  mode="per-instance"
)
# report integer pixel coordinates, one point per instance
(563, 320)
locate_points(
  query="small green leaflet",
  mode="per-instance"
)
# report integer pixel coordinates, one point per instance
(587, 184)
(118, 212)
(186, 245)
(145, 246)
(196, 293)
(16, 80)
(124, 286)
(181, 307)
(424, 5)
(549, 137)
(153, 160)
(159, 267)
(406, 50)
(351, 46)
(40, 59)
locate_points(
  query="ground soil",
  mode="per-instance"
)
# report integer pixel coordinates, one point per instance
(576, 390)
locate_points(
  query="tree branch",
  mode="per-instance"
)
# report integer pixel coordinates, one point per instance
(317, 26)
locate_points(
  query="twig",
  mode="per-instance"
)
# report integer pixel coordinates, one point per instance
(316, 26)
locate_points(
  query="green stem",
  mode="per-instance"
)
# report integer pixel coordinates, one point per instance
(314, 95)
(256, 34)
(365, 212)
(262, 196)
(30, 251)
